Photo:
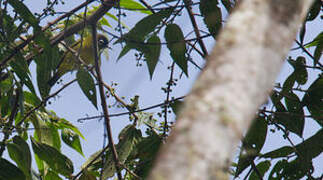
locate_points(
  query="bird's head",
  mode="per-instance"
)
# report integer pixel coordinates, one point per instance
(103, 42)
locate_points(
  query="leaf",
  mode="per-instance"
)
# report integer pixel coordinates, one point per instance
(280, 152)
(8, 171)
(20, 67)
(87, 85)
(176, 45)
(295, 169)
(262, 168)
(50, 175)
(300, 70)
(72, 140)
(311, 147)
(296, 114)
(252, 144)
(302, 32)
(314, 10)
(317, 40)
(60, 163)
(20, 153)
(128, 138)
(318, 52)
(24, 12)
(136, 37)
(152, 53)
(146, 151)
(134, 6)
(176, 105)
(313, 100)
(212, 16)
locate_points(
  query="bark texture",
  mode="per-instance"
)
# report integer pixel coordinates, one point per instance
(237, 79)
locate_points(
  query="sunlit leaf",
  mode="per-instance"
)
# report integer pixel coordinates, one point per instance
(20, 153)
(72, 140)
(60, 163)
(133, 5)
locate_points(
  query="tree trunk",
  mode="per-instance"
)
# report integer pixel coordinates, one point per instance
(237, 79)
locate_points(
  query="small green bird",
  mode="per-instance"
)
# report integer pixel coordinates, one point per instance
(70, 62)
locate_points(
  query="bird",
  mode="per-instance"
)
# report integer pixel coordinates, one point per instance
(70, 62)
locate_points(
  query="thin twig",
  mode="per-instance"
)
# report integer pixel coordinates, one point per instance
(254, 167)
(24, 43)
(196, 29)
(169, 84)
(307, 52)
(91, 162)
(44, 102)
(127, 113)
(104, 103)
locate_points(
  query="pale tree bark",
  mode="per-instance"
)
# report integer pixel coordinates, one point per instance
(237, 79)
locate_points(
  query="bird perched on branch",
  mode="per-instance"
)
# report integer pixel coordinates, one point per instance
(72, 60)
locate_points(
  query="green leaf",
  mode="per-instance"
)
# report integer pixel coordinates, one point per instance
(314, 10)
(212, 16)
(136, 37)
(176, 45)
(43, 71)
(8, 171)
(278, 153)
(152, 53)
(262, 168)
(31, 99)
(86, 175)
(296, 113)
(50, 175)
(313, 100)
(63, 123)
(146, 151)
(128, 138)
(318, 52)
(24, 12)
(133, 5)
(105, 22)
(311, 147)
(146, 26)
(300, 70)
(61, 164)
(302, 32)
(317, 40)
(20, 153)
(20, 67)
(72, 140)
(87, 85)
(252, 144)
(176, 105)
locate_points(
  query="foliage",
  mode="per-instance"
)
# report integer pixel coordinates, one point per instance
(23, 41)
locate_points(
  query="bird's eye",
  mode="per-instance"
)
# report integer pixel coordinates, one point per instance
(101, 41)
